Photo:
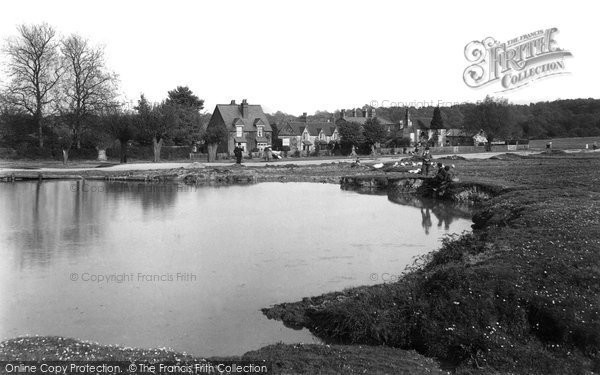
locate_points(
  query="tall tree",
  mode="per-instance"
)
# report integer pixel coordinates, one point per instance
(87, 86)
(34, 70)
(156, 123)
(186, 107)
(374, 132)
(183, 96)
(350, 133)
(212, 137)
(493, 116)
(437, 122)
(120, 126)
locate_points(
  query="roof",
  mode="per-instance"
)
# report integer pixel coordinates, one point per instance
(232, 116)
(362, 120)
(457, 133)
(239, 139)
(421, 122)
(296, 128)
(315, 128)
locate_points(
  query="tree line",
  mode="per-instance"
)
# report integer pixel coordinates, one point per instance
(497, 117)
(501, 119)
(61, 95)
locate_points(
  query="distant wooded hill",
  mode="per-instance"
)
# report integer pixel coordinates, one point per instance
(559, 118)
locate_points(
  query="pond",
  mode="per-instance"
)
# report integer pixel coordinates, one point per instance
(190, 267)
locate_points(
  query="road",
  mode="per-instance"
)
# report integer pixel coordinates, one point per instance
(252, 163)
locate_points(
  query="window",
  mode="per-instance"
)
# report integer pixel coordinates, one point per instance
(305, 135)
(259, 132)
(239, 131)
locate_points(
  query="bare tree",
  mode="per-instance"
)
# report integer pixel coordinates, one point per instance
(87, 86)
(34, 70)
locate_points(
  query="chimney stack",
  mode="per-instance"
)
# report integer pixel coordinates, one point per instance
(244, 108)
(304, 117)
(365, 112)
(233, 102)
(343, 113)
(353, 112)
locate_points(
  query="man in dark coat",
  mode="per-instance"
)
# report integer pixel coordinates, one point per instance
(238, 153)
(426, 162)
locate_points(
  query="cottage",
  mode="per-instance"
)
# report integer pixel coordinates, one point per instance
(245, 123)
(305, 136)
(458, 137)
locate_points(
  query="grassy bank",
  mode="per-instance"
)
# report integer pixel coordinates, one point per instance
(284, 359)
(518, 295)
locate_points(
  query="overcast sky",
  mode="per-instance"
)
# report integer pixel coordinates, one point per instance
(303, 56)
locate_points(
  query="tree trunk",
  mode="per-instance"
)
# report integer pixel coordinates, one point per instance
(123, 148)
(77, 132)
(65, 154)
(38, 120)
(212, 151)
(157, 146)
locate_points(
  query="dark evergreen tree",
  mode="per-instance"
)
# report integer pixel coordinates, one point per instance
(437, 122)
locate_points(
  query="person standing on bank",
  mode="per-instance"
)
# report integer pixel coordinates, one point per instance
(426, 162)
(238, 153)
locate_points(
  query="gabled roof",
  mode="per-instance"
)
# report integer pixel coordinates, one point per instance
(296, 128)
(421, 122)
(232, 115)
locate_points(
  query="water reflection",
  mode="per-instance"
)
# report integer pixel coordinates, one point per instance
(444, 212)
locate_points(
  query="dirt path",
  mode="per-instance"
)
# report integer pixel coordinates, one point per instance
(33, 166)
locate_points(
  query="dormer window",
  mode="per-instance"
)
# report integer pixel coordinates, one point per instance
(305, 135)
(259, 131)
(239, 131)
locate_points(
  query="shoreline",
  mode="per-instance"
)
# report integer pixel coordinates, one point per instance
(528, 240)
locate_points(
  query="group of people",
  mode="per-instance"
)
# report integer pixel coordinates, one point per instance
(442, 179)
(238, 152)
(443, 176)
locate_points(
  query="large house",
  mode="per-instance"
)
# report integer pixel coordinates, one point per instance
(246, 124)
(305, 136)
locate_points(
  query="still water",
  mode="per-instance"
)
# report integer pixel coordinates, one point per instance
(191, 267)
